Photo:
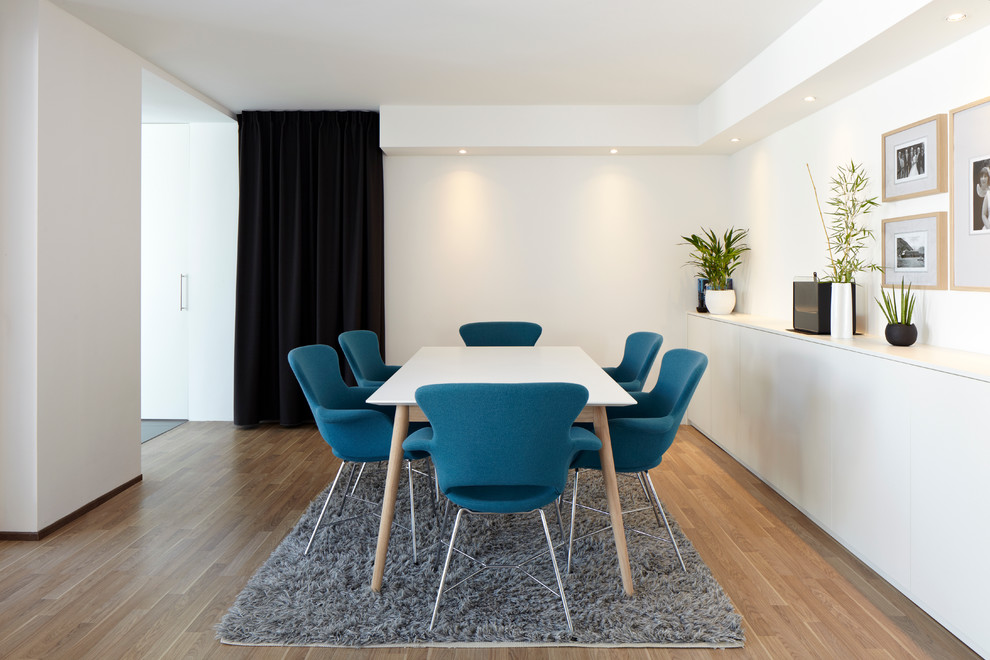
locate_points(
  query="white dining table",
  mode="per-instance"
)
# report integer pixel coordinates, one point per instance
(500, 364)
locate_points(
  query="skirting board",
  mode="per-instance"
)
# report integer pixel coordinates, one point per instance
(65, 520)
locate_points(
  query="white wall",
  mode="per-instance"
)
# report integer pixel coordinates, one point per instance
(586, 246)
(70, 241)
(89, 142)
(18, 264)
(772, 194)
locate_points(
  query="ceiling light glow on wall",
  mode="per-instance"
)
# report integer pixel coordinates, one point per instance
(613, 151)
(462, 151)
(955, 18)
(734, 140)
(809, 99)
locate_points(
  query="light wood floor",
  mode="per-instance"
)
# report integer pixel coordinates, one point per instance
(149, 573)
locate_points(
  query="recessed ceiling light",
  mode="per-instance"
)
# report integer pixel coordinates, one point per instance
(955, 18)
(734, 140)
(462, 151)
(809, 99)
(613, 151)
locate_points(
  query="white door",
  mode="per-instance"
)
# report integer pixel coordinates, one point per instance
(164, 285)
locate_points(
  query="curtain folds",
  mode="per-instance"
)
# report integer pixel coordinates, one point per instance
(310, 248)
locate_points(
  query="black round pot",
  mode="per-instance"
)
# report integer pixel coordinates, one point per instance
(899, 334)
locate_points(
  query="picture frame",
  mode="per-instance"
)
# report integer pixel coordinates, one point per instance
(914, 159)
(915, 248)
(969, 193)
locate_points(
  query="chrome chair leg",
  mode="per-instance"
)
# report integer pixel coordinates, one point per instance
(412, 510)
(343, 500)
(642, 482)
(446, 565)
(320, 519)
(436, 481)
(358, 480)
(443, 524)
(570, 539)
(433, 502)
(560, 521)
(669, 531)
(556, 572)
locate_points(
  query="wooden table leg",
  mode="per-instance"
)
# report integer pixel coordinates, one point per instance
(399, 430)
(612, 495)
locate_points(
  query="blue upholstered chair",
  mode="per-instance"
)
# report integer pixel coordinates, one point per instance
(637, 360)
(500, 333)
(502, 448)
(642, 433)
(357, 432)
(364, 357)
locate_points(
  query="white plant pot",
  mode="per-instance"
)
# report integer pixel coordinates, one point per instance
(720, 302)
(841, 322)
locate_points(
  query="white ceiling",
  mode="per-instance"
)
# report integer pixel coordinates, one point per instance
(738, 67)
(361, 54)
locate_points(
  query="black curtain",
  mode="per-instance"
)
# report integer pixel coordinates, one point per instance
(310, 248)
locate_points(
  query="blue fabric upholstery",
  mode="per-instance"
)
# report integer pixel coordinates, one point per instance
(364, 357)
(356, 431)
(637, 360)
(642, 433)
(502, 447)
(500, 333)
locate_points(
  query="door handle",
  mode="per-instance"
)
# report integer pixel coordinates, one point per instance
(183, 292)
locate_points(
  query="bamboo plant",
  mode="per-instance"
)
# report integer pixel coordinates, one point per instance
(846, 236)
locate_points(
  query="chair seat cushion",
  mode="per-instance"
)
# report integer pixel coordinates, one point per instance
(637, 445)
(501, 499)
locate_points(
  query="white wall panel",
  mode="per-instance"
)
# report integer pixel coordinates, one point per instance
(699, 338)
(950, 501)
(802, 427)
(723, 362)
(884, 447)
(871, 459)
(89, 162)
(18, 265)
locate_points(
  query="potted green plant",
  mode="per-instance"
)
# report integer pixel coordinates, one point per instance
(900, 331)
(846, 237)
(715, 259)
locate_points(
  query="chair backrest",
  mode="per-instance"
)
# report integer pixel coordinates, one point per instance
(502, 434)
(637, 360)
(354, 429)
(363, 355)
(500, 333)
(641, 434)
(680, 372)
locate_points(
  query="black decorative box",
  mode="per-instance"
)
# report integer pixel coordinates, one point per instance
(813, 307)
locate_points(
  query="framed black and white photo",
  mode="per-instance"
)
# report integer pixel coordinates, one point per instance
(979, 220)
(915, 251)
(914, 160)
(969, 163)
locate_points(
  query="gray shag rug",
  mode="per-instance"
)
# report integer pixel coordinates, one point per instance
(325, 598)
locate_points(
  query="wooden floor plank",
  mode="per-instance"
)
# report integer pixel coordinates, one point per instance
(149, 573)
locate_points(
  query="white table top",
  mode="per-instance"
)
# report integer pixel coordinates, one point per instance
(500, 364)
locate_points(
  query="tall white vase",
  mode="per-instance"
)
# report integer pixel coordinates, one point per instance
(842, 310)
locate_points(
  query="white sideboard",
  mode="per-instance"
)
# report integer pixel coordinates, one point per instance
(886, 448)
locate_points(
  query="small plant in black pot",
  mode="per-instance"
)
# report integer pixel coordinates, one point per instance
(899, 331)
